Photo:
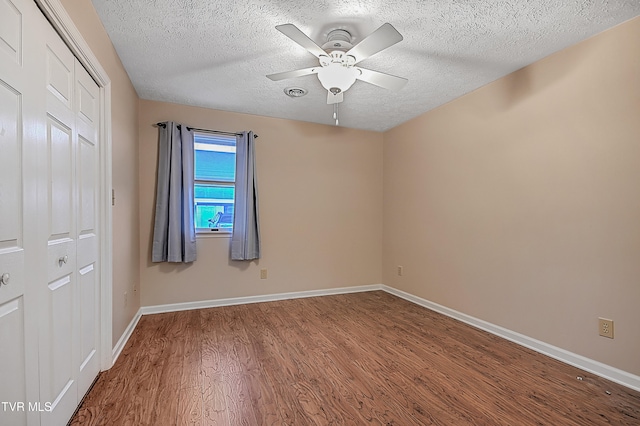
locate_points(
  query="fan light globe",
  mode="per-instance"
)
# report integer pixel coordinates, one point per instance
(336, 75)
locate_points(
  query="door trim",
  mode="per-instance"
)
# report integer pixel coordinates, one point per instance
(63, 24)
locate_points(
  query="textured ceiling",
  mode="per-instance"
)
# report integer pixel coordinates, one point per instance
(216, 54)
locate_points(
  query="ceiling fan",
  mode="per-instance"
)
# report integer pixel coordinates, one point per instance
(338, 58)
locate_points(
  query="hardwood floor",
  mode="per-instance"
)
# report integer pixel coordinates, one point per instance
(364, 358)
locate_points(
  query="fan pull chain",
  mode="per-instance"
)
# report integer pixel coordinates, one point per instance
(335, 113)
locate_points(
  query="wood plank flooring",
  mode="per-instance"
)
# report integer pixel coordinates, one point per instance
(354, 359)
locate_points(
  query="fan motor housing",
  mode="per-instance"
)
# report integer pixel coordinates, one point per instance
(338, 40)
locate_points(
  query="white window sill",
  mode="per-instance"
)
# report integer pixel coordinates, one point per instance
(207, 233)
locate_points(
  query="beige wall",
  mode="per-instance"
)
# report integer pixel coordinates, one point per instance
(320, 190)
(124, 113)
(520, 203)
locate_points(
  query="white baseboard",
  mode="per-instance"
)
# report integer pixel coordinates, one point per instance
(174, 307)
(117, 349)
(615, 375)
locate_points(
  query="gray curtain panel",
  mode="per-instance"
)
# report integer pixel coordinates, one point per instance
(245, 241)
(174, 234)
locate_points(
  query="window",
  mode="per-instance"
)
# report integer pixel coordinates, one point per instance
(215, 175)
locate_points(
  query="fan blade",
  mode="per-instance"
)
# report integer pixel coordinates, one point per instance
(380, 79)
(334, 99)
(380, 39)
(291, 74)
(301, 38)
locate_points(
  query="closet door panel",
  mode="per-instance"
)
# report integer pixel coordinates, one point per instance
(11, 183)
(61, 191)
(60, 72)
(11, 22)
(87, 165)
(60, 303)
(59, 342)
(89, 360)
(15, 386)
(12, 361)
(87, 179)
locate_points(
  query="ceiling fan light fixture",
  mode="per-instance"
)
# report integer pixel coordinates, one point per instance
(336, 76)
(338, 58)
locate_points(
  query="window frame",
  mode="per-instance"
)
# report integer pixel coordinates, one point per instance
(226, 232)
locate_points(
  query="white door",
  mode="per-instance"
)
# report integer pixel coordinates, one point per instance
(69, 358)
(87, 112)
(49, 222)
(21, 107)
(59, 320)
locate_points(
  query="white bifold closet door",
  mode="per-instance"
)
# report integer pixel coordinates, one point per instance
(49, 217)
(69, 359)
(21, 104)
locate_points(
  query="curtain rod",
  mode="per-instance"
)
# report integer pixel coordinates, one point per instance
(208, 130)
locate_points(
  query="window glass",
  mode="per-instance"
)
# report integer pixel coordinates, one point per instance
(215, 165)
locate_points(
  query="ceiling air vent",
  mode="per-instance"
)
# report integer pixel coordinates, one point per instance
(295, 92)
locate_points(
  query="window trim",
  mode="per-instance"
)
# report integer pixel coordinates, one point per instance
(211, 232)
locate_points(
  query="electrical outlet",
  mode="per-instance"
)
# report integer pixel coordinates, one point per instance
(263, 274)
(400, 270)
(605, 327)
